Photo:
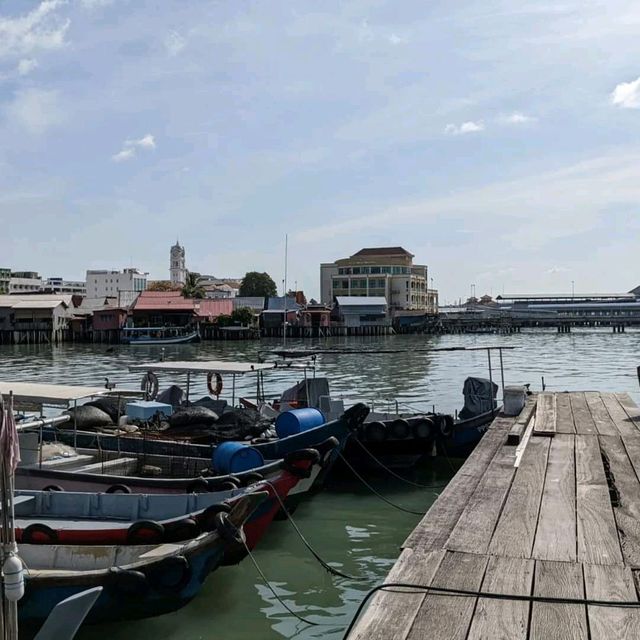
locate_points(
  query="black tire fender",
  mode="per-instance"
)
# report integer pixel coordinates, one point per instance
(423, 429)
(301, 455)
(145, 532)
(38, 533)
(446, 425)
(128, 582)
(118, 488)
(400, 429)
(160, 575)
(53, 487)
(186, 529)
(227, 530)
(375, 431)
(207, 520)
(251, 477)
(200, 485)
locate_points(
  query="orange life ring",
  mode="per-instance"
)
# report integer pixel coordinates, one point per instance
(217, 390)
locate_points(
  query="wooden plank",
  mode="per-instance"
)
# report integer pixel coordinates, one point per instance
(474, 529)
(504, 619)
(581, 415)
(624, 424)
(442, 616)
(545, 415)
(434, 529)
(630, 407)
(564, 415)
(390, 615)
(626, 494)
(515, 532)
(600, 415)
(558, 621)
(556, 532)
(598, 541)
(611, 583)
(519, 426)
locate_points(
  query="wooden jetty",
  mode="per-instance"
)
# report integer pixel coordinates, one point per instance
(548, 504)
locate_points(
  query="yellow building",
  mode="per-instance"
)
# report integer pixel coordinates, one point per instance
(380, 271)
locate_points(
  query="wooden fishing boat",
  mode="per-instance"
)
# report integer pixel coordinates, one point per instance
(159, 335)
(138, 581)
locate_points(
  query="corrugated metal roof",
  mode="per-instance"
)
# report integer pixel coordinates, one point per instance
(277, 304)
(163, 301)
(212, 308)
(361, 301)
(253, 302)
(382, 251)
(563, 296)
(38, 304)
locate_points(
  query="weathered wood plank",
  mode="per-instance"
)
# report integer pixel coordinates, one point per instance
(520, 425)
(515, 532)
(624, 424)
(474, 529)
(449, 617)
(611, 583)
(434, 529)
(600, 415)
(581, 415)
(390, 615)
(564, 415)
(545, 415)
(558, 621)
(598, 541)
(626, 492)
(630, 407)
(556, 532)
(503, 619)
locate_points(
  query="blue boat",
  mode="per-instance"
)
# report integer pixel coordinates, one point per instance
(138, 581)
(159, 335)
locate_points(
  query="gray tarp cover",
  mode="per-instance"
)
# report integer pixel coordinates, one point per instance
(478, 397)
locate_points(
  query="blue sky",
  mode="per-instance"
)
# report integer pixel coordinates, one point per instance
(498, 141)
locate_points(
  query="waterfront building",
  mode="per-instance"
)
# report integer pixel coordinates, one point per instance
(387, 272)
(177, 265)
(34, 318)
(59, 285)
(25, 282)
(356, 312)
(107, 283)
(5, 279)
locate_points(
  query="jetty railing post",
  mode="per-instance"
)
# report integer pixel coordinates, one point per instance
(188, 385)
(490, 378)
(501, 373)
(233, 391)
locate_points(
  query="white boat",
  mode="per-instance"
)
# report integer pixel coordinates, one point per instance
(159, 335)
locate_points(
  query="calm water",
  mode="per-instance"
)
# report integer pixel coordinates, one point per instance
(347, 525)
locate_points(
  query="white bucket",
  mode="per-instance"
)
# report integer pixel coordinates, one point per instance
(514, 399)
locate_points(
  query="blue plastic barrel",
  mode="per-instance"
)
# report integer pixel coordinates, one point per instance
(235, 457)
(295, 421)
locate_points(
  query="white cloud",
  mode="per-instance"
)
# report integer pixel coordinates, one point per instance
(95, 4)
(465, 127)
(130, 148)
(518, 118)
(39, 29)
(553, 270)
(35, 110)
(394, 38)
(174, 43)
(627, 95)
(26, 66)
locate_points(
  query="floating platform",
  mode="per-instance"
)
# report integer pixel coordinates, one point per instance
(548, 504)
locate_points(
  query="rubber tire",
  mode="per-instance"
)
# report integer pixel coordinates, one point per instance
(157, 574)
(207, 520)
(186, 529)
(446, 426)
(250, 478)
(376, 431)
(154, 529)
(118, 488)
(198, 486)
(36, 529)
(423, 429)
(400, 429)
(53, 487)
(227, 530)
(128, 582)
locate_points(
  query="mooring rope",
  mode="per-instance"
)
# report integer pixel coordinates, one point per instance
(326, 565)
(375, 492)
(393, 473)
(443, 591)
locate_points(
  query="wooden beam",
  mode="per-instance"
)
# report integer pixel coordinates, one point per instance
(504, 619)
(623, 423)
(519, 426)
(558, 621)
(581, 415)
(556, 532)
(564, 415)
(600, 415)
(515, 532)
(598, 541)
(545, 415)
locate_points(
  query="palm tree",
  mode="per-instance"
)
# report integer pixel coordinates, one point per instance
(193, 287)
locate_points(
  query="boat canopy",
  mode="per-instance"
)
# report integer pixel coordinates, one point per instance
(36, 392)
(205, 366)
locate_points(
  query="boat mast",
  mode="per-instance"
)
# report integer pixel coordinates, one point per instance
(284, 321)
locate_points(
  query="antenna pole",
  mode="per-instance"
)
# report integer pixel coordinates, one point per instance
(284, 322)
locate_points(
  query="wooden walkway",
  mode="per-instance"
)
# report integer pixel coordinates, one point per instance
(548, 504)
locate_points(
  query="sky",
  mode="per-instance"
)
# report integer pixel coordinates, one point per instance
(496, 140)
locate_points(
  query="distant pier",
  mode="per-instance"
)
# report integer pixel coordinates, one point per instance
(547, 505)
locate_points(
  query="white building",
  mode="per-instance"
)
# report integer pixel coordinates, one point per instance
(106, 283)
(177, 265)
(25, 282)
(59, 285)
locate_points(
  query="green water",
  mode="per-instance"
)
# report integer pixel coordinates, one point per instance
(346, 524)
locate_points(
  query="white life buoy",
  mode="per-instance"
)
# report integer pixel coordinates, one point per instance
(217, 390)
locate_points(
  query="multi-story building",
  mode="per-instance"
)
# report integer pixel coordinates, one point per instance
(5, 279)
(386, 272)
(59, 285)
(106, 283)
(25, 282)
(177, 265)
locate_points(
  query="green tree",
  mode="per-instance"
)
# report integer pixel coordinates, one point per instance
(258, 284)
(193, 287)
(162, 285)
(224, 320)
(243, 316)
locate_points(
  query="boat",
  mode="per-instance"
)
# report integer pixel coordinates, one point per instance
(138, 581)
(158, 335)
